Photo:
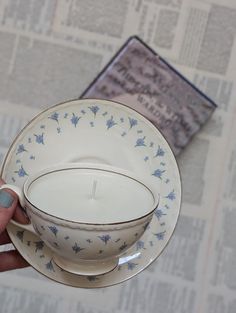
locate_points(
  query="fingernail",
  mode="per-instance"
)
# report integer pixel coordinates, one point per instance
(6, 199)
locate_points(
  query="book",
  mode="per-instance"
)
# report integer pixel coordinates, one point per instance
(139, 78)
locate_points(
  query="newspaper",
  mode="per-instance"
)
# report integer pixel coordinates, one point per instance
(49, 52)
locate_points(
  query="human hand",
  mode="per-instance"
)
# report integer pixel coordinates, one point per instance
(10, 209)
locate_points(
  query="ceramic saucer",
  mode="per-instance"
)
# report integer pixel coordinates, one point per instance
(97, 131)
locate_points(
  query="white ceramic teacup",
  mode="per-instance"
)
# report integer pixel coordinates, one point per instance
(88, 215)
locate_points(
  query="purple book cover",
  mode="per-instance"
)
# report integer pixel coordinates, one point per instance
(141, 79)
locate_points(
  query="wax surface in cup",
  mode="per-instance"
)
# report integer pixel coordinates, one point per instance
(90, 196)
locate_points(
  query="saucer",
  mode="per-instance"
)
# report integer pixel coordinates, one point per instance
(97, 131)
(138, 257)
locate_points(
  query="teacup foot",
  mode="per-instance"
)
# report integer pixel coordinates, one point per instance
(86, 267)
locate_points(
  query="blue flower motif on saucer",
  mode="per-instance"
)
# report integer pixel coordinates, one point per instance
(49, 266)
(159, 213)
(21, 172)
(94, 109)
(110, 123)
(39, 245)
(132, 122)
(160, 235)
(75, 119)
(54, 116)
(171, 196)
(39, 138)
(21, 149)
(140, 245)
(140, 142)
(158, 173)
(131, 265)
(20, 235)
(160, 152)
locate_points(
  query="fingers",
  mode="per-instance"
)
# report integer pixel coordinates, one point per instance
(18, 215)
(8, 204)
(4, 238)
(9, 208)
(11, 260)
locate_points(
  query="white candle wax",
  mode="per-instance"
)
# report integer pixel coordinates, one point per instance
(90, 196)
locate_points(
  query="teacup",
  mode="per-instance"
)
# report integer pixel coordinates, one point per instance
(88, 215)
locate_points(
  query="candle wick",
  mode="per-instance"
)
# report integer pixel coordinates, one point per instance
(94, 189)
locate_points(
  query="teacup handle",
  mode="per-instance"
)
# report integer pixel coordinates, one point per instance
(20, 195)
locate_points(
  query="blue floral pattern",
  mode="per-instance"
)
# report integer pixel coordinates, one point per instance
(160, 152)
(159, 213)
(94, 109)
(76, 248)
(49, 266)
(105, 238)
(54, 116)
(21, 172)
(122, 247)
(39, 138)
(171, 196)
(54, 230)
(140, 142)
(158, 173)
(131, 265)
(140, 245)
(39, 245)
(110, 123)
(21, 148)
(20, 235)
(133, 122)
(152, 152)
(160, 235)
(75, 119)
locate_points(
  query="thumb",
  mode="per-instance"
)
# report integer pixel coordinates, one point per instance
(8, 204)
